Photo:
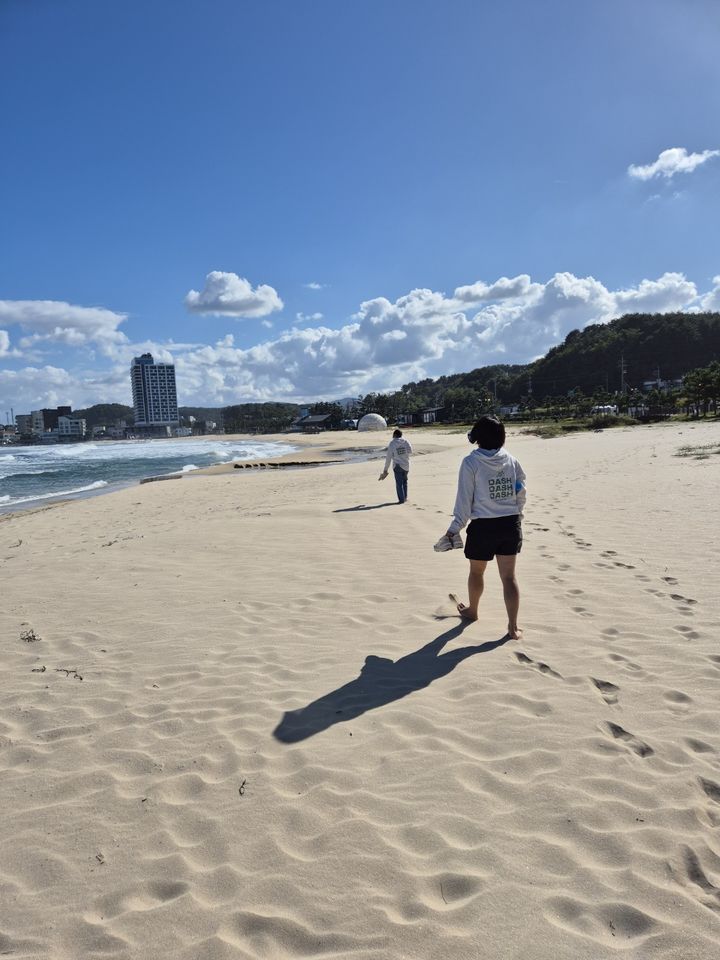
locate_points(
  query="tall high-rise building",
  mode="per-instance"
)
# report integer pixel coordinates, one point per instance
(154, 393)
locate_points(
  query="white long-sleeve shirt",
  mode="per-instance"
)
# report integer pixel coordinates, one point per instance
(491, 484)
(399, 452)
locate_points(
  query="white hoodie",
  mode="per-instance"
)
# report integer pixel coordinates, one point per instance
(491, 484)
(399, 451)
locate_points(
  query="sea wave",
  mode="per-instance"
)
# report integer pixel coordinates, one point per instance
(28, 473)
(7, 458)
(78, 468)
(55, 493)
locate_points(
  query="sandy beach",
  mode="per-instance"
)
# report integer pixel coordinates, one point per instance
(240, 718)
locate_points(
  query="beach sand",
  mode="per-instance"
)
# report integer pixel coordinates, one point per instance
(239, 718)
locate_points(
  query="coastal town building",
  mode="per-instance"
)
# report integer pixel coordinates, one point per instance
(23, 422)
(70, 428)
(115, 431)
(154, 395)
(46, 420)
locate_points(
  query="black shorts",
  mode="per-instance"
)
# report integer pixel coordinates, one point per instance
(494, 536)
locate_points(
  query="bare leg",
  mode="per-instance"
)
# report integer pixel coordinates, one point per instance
(511, 593)
(476, 583)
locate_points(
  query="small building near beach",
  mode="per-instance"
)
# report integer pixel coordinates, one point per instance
(312, 424)
(428, 415)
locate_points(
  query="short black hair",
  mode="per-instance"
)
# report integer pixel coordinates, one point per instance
(488, 433)
(397, 433)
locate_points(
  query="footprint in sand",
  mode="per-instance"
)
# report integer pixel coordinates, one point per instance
(608, 691)
(671, 580)
(607, 923)
(628, 664)
(681, 599)
(610, 632)
(697, 875)
(583, 612)
(677, 699)
(634, 743)
(538, 665)
(687, 632)
(699, 746)
(710, 788)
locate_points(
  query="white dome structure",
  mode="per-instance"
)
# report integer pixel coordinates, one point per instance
(372, 421)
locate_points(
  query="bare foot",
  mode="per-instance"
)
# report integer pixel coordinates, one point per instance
(464, 611)
(515, 633)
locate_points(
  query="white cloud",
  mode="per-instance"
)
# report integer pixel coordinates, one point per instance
(35, 387)
(383, 345)
(423, 333)
(59, 322)
(500, 290)
(672, 161)
(671, 292)
(711, 300)
(308, 317)
(231, 295)
(313, 285)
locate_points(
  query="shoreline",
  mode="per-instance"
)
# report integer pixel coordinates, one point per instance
(115, 486)
(315, 450)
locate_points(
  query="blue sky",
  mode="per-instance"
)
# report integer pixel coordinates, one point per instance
(461, 183)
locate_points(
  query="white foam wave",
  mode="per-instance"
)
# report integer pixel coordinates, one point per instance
(7, 458)
(189, 466)
(56, 493)
(213, 449)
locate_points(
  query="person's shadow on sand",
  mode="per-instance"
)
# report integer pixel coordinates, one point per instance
(380, 682)
(363, 506)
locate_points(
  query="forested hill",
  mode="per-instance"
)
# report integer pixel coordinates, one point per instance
(671, 343)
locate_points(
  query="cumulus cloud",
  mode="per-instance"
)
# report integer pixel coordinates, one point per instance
(502, 289)
(385, 343)
(308, 317)
(230, 295)
(36, 387)
(711, 300)
(424, 333)
(59, 322)
(672, 161)
(314, 285)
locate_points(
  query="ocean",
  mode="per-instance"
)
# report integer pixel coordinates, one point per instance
(30, 475)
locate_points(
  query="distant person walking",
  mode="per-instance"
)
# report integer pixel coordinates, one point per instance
(491, 494)
(399, 452)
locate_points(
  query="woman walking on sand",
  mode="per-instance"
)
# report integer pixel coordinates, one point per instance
(491, 494)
